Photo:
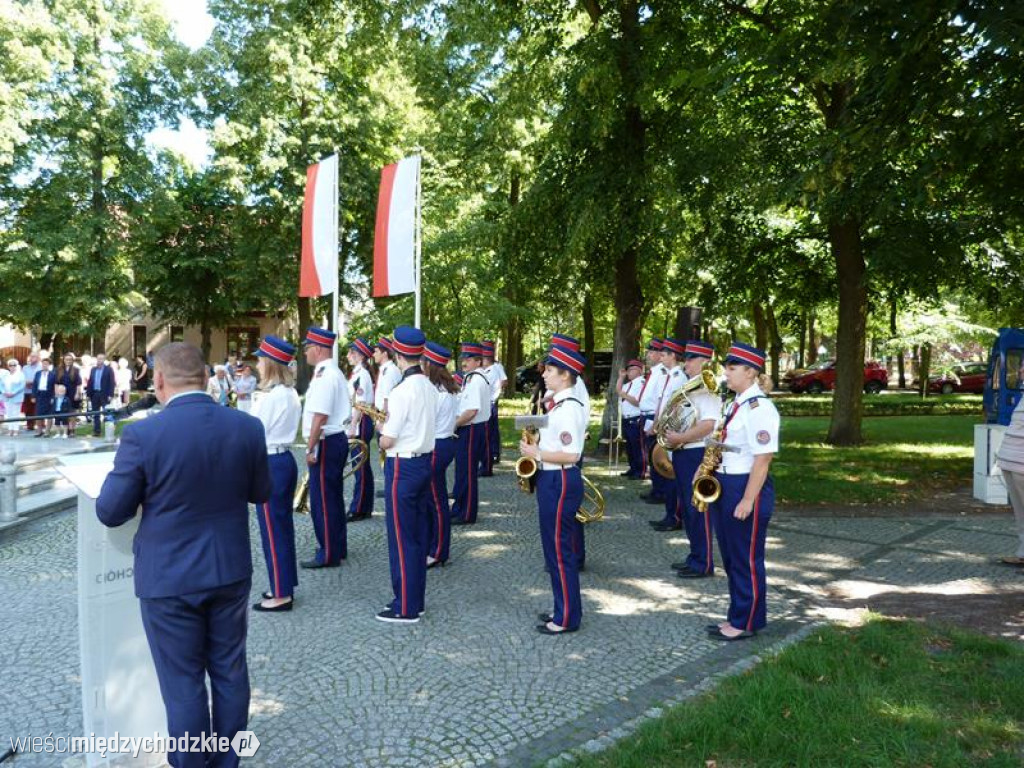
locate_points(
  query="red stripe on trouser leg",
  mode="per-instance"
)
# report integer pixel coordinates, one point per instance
(273, 550)
(707, 538)
(398, 534)
(470, 474)
(753, 565)
(558, 555)
(437, 505)
(323, 500)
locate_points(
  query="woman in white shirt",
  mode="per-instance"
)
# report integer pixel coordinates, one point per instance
(14, 394)
(436, 360)
(122, 381)
(279, 410)
(245, 385)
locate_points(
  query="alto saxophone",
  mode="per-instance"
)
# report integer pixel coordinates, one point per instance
(706, 488)
(526, 466)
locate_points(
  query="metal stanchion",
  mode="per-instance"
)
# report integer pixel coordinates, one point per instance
(8, 486)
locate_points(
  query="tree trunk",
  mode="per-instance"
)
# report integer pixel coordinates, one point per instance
(812, 343)
(923, 369)
(760, 327)
(801, 352)
(847, 404)
(588, 340)
(893, 330)
(205, 344)
(774, 342)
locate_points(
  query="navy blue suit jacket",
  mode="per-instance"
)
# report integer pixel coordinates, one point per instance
(194, 467)
(106, 383)
(51, 382)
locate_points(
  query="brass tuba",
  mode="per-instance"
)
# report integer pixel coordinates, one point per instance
(672, 419)
(352, 465)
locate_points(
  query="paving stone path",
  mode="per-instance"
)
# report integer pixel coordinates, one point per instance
(473, 684)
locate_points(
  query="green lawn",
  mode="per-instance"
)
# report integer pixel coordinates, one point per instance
(888, 693)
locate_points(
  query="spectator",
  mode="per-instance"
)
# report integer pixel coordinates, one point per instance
(122, 381)
(141, 374)
(219, 385)
(99, 388)
(245, 385)
(61, 404)
(14, 394)
(43, 386)
(29, 370)
(70, 378)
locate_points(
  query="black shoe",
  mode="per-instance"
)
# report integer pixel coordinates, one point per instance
(396, 618)
(653, 499)
(313, 564)
(667, 528)
(681, 567)
(353, 518)
(657, 523)
(688, 574)
(712, 627)
(460, 521)
(719, 635)
(273, 608)
(486, 474)
(544, 630)
(436, 564)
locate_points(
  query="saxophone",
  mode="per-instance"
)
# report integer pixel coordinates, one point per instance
(706, 488)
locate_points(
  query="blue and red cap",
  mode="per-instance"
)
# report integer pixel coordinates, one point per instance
(696, 348)
(437, 354)
(654, 345)
(565, 342)
(487, 347)
(362, 346)
(459, 377)
(320, 337)
(386, 344)
(635, 364)
(277, 349)
(675, 346)
(567, 359)
(409, 341)
(471, 349)
(744, 354)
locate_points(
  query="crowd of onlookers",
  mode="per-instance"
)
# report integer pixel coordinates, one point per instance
(43, 389)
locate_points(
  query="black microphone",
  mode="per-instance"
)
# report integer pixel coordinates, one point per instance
(144, 402)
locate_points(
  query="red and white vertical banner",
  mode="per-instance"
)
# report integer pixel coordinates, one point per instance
(396, 245)
(318, 275)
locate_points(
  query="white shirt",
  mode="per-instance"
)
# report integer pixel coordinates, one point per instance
(412, 414)
(44, 378)
(280, 411)
(498, 379)
(656, 381)
(447, 412)
(387, 380)
(566, 429)
(579, 391)
(327, 394)
(360, 386)
(631, 388)
(476, 396)
(752, 427)
(676, 378)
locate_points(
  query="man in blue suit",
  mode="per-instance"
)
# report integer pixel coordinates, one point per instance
(193, 468)
(99, 389)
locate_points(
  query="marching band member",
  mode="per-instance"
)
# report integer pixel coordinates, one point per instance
(280, 411)
(649, 397)
(742, 512)
(687, 453)
(324, 417)
(474, 411)
(408, 438)
(579, 389)
(388, 374)
(560, 488)
(361, 391)
(497, 377)
(628, 387)
(671, 353)
(436, 367)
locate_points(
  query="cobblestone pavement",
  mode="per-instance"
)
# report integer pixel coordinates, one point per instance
(473, 683)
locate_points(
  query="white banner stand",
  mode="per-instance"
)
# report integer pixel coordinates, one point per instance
(988, 478)
(120, 692)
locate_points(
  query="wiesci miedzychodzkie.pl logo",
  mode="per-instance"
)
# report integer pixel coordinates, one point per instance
(245, 743)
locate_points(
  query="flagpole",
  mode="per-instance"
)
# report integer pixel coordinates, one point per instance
(418, 238)
(336, 318)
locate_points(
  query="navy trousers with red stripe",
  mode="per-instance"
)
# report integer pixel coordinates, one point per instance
(631, 432)
(277, 529)
(741, 544)
(493, 437)
(408, 507)
(698, 526)
(362, 489)
(325, 500)
(440, 516)
(660, 487)
(468, 454)
(559, 493)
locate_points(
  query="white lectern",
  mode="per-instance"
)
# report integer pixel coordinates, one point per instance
(988, 478)
(120, 692)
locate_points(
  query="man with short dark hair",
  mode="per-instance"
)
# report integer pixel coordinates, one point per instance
(194, 468)
(99, 388)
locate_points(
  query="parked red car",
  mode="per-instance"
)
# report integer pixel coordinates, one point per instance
(822, 376)
(964, 377)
